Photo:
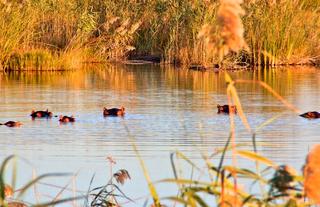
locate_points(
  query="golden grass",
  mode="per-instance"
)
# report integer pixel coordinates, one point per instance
(184, 32)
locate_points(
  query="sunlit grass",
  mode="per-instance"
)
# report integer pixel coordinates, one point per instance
(65, 34)
(283, 32)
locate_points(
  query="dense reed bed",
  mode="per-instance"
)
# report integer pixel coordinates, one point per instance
(61, 34)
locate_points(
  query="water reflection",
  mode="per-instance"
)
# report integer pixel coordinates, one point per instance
(167, 109)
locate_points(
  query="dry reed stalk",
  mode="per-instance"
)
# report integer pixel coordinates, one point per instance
(233, 98)
(152, 189)
(236, 101)
(207, 34)
(35, 189)
(274, 93)
(234, 201)
(74, 189)
(311, 172)
(63, 189)
(112, 162)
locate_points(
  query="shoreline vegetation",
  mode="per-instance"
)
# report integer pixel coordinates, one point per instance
(61, 34)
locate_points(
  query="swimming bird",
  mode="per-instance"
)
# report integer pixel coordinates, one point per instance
(311, 115)
(114, 111)
(225, 109)
(12, 124)
(41, 114)
(66, 119)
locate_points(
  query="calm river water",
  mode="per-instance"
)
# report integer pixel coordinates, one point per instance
(166, 110)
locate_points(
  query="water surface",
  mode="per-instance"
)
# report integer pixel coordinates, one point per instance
(166, 110)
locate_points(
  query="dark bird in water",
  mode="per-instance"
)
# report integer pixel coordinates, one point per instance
(66, 119)
(12, 124)
(41, 114)
(113, 111)
(226, 109)
(311, 115)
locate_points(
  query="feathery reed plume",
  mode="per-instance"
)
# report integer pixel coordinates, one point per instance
(311, 172)
(8, 191)
(231, 26)
(228, 36)
(111, 160)
(121, 176)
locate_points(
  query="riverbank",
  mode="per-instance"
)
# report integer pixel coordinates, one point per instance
(50, 35)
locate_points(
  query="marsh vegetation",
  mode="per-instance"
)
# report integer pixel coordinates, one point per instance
(60, 35)
(52, 34)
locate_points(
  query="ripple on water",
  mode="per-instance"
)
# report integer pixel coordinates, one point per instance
(166, 110)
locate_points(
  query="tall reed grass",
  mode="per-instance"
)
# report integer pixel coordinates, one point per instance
(49, 34)
(283, 32)
(42, 34)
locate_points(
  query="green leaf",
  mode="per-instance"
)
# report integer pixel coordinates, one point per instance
(199, 200)
(176, 199)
